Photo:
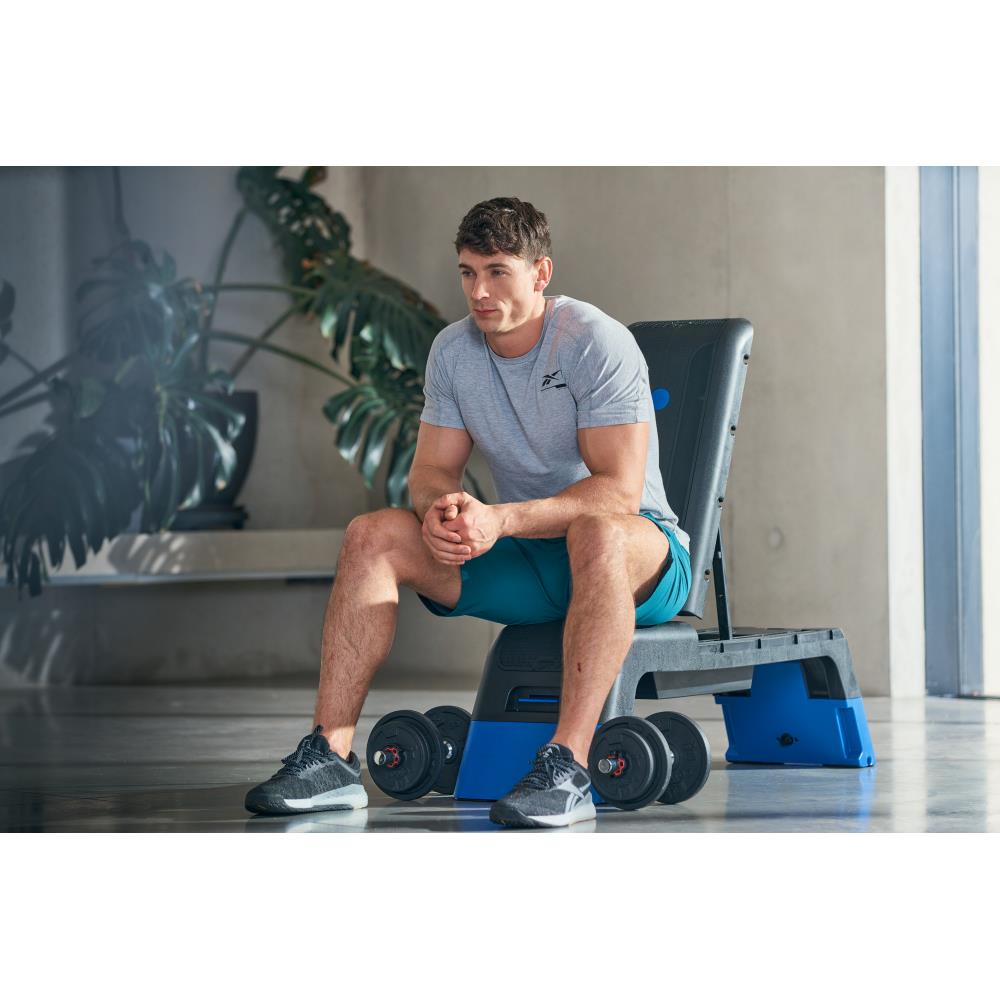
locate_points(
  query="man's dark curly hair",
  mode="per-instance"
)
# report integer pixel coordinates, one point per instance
(505, 225)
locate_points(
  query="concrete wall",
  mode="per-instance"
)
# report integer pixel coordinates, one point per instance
(34, 258)
(798, 251)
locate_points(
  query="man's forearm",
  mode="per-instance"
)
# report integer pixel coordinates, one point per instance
(551, 517)
(427, 483)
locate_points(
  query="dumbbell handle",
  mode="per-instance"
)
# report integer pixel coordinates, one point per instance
(608, 764)
(389, 757)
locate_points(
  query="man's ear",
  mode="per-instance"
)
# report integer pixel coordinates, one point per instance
(543, 273)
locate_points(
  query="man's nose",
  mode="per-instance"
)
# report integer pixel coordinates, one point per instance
(479, 290)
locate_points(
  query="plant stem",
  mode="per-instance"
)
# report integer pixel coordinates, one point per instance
(238, 338)
(37, 378)
(299, 290)
(245, 357)
(25, 403)
(17, 357)
(219, 271)
(120, 224)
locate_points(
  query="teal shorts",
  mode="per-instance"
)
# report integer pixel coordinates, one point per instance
(523, 581)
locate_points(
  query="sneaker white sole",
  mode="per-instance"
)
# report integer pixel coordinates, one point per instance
(507, 815)
(580, 812)
(350, 797)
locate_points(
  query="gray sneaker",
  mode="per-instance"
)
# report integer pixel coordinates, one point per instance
(555, 792)
(313, 778)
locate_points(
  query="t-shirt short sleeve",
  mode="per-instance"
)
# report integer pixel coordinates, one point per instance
(440, 407)
(610, 381)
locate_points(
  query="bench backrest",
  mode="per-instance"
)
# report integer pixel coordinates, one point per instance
(697, 370)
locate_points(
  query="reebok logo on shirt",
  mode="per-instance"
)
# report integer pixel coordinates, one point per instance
(548, 380)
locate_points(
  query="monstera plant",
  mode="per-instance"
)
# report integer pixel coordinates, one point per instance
(139, 422)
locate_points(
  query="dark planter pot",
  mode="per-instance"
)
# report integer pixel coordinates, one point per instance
(220, 510)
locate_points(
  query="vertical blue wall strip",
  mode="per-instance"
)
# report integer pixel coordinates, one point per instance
(949, 302)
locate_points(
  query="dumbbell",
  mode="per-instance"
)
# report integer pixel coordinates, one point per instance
(410, 754)
(635, 761)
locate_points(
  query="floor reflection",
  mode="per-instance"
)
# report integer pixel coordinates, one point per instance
(182, 759)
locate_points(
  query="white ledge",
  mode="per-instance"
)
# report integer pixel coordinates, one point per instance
(195, 556)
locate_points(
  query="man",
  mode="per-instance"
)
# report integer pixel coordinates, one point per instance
(556, 395)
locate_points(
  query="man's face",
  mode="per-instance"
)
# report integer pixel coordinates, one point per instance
(502, 291)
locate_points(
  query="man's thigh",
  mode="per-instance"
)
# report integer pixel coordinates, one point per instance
(529, 580)
(599, 543)
(657, 567)
(523, 581)
(398, 533)
(518, 581)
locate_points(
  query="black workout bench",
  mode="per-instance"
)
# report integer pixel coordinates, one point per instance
(788, 696)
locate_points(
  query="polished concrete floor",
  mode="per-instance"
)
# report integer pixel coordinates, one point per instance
(91, 759)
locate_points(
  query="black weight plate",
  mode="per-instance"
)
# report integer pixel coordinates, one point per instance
(692, 755)
(421, 755)
(453, 725)
(647, 762)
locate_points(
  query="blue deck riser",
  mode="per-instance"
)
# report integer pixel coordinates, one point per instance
(778, 723)
(497, 755)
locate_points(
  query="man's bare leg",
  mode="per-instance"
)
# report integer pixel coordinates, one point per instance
(381, 552)
(616, 561)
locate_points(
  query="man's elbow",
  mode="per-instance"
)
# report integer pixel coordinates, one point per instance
(628, 499)
(617, 494)
(636, 488)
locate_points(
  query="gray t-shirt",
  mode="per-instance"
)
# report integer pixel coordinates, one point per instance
(523, 413)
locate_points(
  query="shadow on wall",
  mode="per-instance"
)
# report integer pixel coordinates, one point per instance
(159, 555)
(46, 639)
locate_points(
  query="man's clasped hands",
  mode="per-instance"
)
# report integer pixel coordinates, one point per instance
(458, 527)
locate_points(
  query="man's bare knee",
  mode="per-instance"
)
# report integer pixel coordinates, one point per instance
(392, 537)
(378, 533)
(591, 536)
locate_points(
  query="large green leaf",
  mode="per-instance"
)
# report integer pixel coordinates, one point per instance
(60, 495)
(136, 304)
(231, 419)
(396, 484)
(91, 489)
(373, 448)
(161, 485)
(337, 409)
(54, 529)
(76, 533)
(356, 301)
(202, 484)
(349, 435)
(303, 225)
(90, 396)
(364, 413)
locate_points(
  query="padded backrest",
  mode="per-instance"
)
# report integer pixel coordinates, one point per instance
(697, 370)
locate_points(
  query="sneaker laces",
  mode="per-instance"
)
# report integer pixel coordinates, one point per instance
(307, 753)
(549, 769)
